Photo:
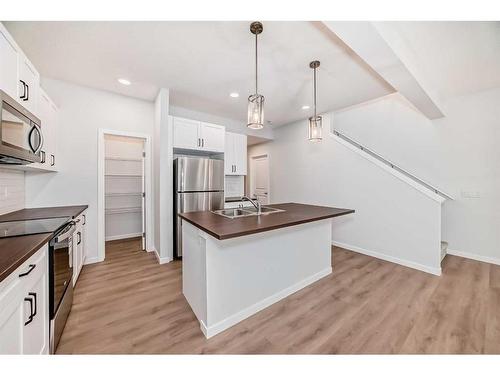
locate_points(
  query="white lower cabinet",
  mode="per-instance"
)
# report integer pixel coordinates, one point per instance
(79, 250)
(24, 309)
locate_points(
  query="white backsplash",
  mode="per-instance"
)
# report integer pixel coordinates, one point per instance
(12, 192)
(234, 186)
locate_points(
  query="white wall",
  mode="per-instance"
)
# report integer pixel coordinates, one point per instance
(458, 153)
(82, 111)
(11, 190)
(393, 220)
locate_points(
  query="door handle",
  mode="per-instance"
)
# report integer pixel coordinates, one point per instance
(31, 268)
(24, 89)
(33, 294)
(30, 318)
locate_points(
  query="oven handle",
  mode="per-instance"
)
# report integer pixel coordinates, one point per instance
(67, 233)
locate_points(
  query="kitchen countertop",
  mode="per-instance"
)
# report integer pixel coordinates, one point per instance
(14, 251)
(44, 213)
(224, 228)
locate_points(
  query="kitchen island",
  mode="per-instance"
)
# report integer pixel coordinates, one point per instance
(235, 267)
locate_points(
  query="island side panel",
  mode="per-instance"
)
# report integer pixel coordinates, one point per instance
(249, 273)
(194, 278)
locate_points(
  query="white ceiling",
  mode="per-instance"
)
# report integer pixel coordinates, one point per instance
(457, 58)
(202, 62)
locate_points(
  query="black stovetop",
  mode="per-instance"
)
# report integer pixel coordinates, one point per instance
(35, 226)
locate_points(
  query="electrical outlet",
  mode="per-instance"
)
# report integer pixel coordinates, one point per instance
(470, 194)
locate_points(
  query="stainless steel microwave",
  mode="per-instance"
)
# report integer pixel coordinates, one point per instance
(21, 136)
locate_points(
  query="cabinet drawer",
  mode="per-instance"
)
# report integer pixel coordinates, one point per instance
(27, 274)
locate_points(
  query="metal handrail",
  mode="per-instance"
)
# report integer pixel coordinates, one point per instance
(391, 164)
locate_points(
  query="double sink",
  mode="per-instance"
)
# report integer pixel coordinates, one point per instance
(233, 213)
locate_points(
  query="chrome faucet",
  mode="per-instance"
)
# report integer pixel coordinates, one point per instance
(256, 205)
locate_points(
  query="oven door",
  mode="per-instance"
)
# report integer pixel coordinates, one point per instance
(61, 262)
(20, 133)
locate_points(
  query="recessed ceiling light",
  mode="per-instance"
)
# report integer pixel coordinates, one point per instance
(234, 95)
(124, 81)
(304, 107)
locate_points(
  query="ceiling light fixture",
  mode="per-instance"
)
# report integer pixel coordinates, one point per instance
(234, 95)
(256, 101)
(315, 121)
(304, 107)
(124, 81)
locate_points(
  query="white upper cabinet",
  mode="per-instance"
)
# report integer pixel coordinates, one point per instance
(235, 156)
(29, 85)
(212, 137)
(186, 133)
(196, 135)
(48, 116)
(8, 65)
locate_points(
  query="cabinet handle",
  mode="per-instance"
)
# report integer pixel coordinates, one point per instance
(33, 294)
(30, 318)
(199, 143)
(24, 89)
(27, 93)
(84, 220)
(52, 160)
(31, 268)
(202, 142)
(79, 234)
(42, 154)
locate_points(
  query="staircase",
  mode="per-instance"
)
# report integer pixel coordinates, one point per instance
(408, 212)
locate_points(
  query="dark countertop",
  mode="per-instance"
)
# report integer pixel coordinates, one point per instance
(14, 251)
(44, 213)
(223, 228)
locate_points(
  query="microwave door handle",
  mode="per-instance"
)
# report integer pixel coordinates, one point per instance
(39, 130)
(29, 139)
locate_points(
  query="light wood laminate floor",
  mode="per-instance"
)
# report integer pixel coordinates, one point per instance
(131, 304)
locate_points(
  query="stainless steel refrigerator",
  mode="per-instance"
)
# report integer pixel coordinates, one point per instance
(198, 186)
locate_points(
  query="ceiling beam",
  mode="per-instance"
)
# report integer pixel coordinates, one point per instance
(367, 42)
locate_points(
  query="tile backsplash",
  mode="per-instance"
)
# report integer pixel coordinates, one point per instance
(12, 193)
(235, 186)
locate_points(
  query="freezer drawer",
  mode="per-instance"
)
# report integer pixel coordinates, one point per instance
(198, 174)
(191, 202)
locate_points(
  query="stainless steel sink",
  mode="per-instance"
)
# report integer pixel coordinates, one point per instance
(264, 210)
(232, 213)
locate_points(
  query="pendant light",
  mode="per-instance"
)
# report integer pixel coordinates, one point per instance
(256, 101)
(315, 125)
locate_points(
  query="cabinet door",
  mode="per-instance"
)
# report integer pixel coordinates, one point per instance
(11, 325)
(212, 137)
(46, 123)
(36, 329)
(8, 65)
(186, 133)
(28, 92)
(51, 157)
(229, 154)
(240, 154)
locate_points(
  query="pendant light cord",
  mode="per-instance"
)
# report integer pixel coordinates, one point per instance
(314, 92)
(256, 87)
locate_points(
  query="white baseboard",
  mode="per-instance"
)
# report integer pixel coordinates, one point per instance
(245, 313)
(472, 256)
(407, 263)
(93, 260)
(123, 236)
(162, 260)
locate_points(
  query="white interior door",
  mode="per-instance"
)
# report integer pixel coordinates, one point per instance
(259, 183)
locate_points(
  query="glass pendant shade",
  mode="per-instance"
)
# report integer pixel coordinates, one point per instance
(255, 111)
(315, 128)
